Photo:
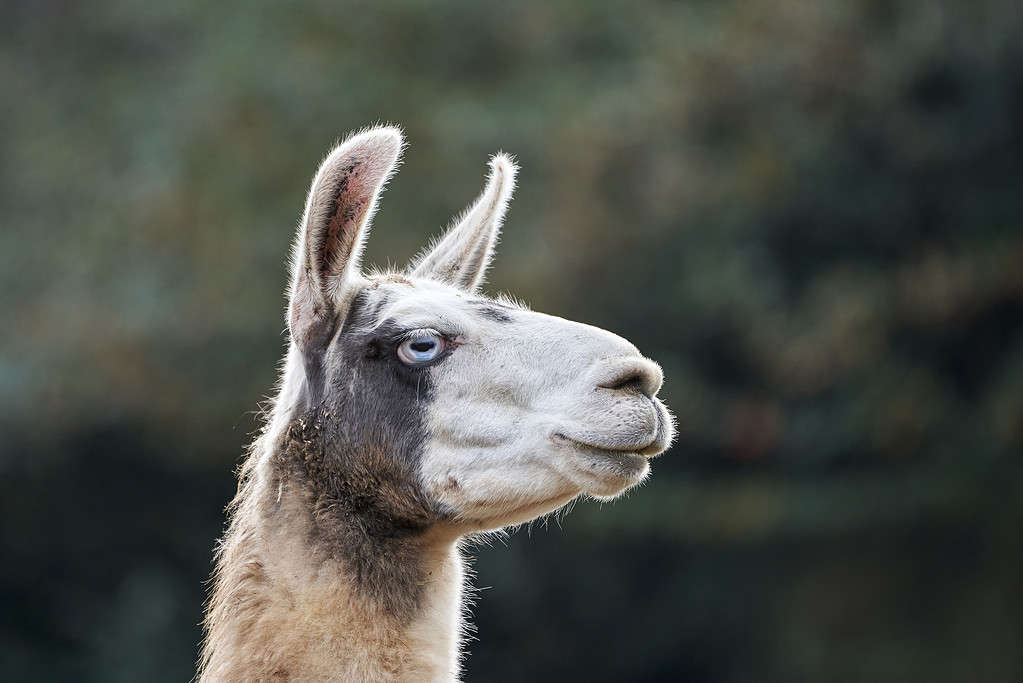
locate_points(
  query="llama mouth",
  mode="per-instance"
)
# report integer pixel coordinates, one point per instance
(602, 470)
(605, 449)
(609, 445)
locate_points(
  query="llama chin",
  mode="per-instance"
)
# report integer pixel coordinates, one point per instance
(413, 410)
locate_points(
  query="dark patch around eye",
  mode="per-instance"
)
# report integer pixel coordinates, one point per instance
(354, 458)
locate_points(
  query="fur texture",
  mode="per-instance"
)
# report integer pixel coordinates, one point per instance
(341, 558)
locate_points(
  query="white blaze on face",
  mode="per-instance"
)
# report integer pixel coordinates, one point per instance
(528, 410)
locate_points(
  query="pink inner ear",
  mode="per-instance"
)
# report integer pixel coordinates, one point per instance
(343, 228)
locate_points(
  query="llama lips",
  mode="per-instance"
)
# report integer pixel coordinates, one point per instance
(616, 448)
(612, 443)
(665, 431)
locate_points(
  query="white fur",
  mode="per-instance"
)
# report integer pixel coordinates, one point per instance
(505, 394)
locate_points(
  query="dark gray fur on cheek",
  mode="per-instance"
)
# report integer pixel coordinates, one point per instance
(354, 459)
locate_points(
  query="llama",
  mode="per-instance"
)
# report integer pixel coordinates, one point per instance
(413, 411)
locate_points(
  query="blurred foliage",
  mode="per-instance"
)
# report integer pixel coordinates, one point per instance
(809, 213)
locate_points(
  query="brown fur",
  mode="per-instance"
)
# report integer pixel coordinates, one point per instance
(367, 512)
(324, 567)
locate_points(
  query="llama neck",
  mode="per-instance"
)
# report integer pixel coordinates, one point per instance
(318, 585)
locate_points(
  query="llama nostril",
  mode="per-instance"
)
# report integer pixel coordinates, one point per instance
(628, 382)
(643, 377)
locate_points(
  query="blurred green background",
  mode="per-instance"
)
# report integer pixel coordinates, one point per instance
(808, 212)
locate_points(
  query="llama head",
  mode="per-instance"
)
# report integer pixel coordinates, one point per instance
(483, 412)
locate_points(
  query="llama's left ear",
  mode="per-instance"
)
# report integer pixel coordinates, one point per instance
(461, 256)
(340, 206)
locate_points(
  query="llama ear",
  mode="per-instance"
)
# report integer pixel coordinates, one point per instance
(461, 256)
(340, 206)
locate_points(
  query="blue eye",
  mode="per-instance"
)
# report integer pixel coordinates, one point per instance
(421, 348)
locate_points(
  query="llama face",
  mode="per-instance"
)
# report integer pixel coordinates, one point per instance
(534, 410)
(517, 411)
(512, 413)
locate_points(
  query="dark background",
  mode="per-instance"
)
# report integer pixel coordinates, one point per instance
(808, 212)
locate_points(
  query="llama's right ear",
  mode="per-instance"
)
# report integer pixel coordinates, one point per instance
(461, 256)
(327, 252)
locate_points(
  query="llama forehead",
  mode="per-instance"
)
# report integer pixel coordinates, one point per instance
(413, 303)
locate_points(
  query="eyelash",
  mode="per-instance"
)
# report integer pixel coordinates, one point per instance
(408, 334)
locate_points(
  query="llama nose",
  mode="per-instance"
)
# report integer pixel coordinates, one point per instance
(632, 374)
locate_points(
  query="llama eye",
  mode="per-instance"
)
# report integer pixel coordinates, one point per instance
(421, 348)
